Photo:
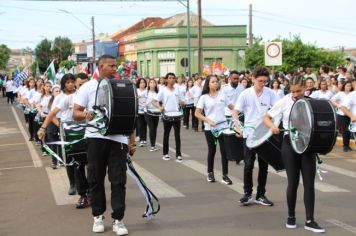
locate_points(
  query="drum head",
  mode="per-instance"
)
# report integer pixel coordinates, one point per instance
(173, 113)
(103, 98)
(262, 133)
(301, 125)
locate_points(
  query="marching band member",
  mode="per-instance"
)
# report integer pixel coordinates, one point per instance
(196, 92)
(188, 103)
(323, 92)
(213, 103)
(349, 105)
(343, 120)
(275, 86)
(152, 121)
(309, 86)
(254, 102)
(104, 153)
(181, 88)
(295, 163)
(171, 101)
(28, 102)
(232, 91)
(141, 122)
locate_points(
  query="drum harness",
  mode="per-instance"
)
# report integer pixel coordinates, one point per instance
(99, 123)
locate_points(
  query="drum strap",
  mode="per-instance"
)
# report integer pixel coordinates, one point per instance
(319, 171)
(148, 194)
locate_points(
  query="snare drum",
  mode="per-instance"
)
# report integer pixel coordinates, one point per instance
(172, 116)
(119, 100)
(314, 126)
(352, 127)
(154, 112)
(233, 146)
(267, 145)
(141, 112)
(69, 135)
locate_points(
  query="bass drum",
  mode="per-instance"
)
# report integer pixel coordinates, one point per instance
(118, 100)
(312, 126)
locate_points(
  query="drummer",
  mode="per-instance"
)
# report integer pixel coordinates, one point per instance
(213, 102)
(171, 100)
(293, 162)
(152, 121)
(349, 106)
(254, 102)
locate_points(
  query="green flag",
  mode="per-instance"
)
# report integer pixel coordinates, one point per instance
(51, 72)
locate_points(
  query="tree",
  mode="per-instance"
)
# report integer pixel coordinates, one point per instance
(67, 64)
(4, 56)
(295, 54)
(62, 48)
(43, 54)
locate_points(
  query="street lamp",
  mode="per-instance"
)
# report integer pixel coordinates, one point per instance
(86, 26)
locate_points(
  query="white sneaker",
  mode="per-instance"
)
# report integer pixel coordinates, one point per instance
(142, 144)
(179, 159)
(137, 139)
(119, 228)
(166, 157)
(153, 149)
(98, 226)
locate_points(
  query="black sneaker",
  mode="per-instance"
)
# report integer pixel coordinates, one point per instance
(72, 190)
(313, 226)
(82, 202)
(226, 180)
(346, 149)
(263, 200)
(211, 177)
(246, 199)
(291, 223)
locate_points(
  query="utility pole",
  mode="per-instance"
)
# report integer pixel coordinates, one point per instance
(250, 35)
(93, 33)
(188, 38)
(200, 43)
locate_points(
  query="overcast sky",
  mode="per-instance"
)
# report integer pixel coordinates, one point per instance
(327, 23)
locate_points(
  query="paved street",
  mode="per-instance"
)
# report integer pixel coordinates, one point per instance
(34, 200)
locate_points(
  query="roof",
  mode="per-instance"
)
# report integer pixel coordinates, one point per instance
(181, 20)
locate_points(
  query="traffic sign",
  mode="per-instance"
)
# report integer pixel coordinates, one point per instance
(273, 54)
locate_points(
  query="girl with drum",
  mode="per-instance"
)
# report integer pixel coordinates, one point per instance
(295, 163)
(151, 115)
(141, 122)
(213, 103)
(188, 103)
(275, 86)
(323, 92)
(343, 120)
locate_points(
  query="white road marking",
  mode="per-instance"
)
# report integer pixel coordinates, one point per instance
(35, 158)
(338, 170)
(60, 185)
(158, 186)
(5, 131)
(11, 144)
(17, 167)
(173, 150)
(342, 225)
(237, 184)
(351, 161)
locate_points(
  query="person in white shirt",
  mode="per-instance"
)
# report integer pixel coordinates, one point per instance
(254, 102)
(10, 87)
(28, 102)
(171, 102)
(323, 92)
(182, 88)
(275, 86)
(349, 106)
(232, 91)
(151, 120)
(213, 103)
(141, 131)
(196, 91)
(188, 103)
(161, 83)
(295, 163)
(309, 86)
(104, 153)
(343, 120)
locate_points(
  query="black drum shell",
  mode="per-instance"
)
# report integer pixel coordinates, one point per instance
(233, 147)
(79, 148)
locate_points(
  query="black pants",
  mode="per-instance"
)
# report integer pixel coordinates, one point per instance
(188, 111)
(249, 160)
(107, 154)
(294, 164)
(195, 121)
(343, 126)
(141, 127)
(31, 125)
(10, 97)
(78, 173)
(152, 122)
(167, 126)
(212, 142)
(52, 136)
(3, 90)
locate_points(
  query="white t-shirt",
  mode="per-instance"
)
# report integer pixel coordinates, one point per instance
(318, 94)
(253, 107)
(10, 86)
(339, 98)
(283, 106)
(23, 91)
(30, 94)
(213, 108)
(161, 86)
(142, 97)
(169, 98)
(279, 93)
(196, 91)
(189, 97)
(350, 102)
(37, 97)
(86, 98)
(66, 107)
(231, 95)
(150, 97)
(55, 102)
(182, 88)
(44, 103)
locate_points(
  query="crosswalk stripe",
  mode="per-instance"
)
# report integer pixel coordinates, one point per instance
(339, 170)
(173, 150)
(351, 161)
(342, 225)
(237, 185)
(156, 185)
